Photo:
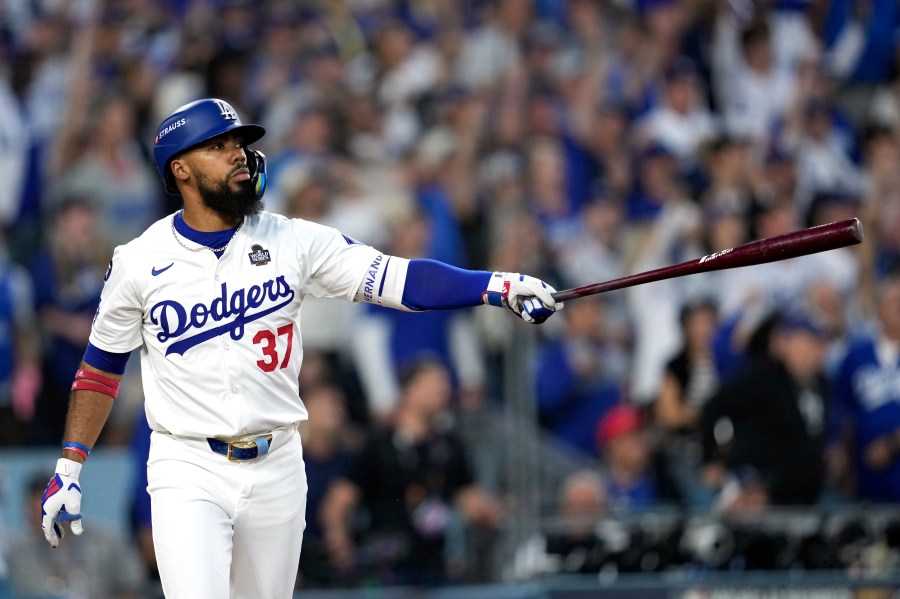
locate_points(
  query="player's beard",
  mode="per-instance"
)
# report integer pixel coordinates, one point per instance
(227, 201)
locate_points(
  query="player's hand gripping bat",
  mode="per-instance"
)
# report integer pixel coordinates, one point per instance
(790, 245)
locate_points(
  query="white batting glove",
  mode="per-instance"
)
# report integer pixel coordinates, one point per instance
(61, 502)
(528, 297)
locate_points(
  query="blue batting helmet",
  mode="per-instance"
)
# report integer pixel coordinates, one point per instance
(194, 123)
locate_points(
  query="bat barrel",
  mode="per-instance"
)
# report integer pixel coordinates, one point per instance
(782, 247)
(798, 243)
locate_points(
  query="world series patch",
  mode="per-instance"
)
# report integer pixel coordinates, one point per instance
(259, 256)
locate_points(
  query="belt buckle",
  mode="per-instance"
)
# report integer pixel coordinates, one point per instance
(248, 444)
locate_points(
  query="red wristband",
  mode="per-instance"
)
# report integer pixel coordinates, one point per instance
(82, 450)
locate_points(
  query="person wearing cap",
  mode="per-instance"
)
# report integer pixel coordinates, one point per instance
(765, 427)
(211, 295)
(625, 450)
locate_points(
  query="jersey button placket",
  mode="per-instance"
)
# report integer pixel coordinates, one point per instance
(231, 356)
(230, 361)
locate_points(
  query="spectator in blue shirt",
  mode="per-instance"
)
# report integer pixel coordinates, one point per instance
(867, 401)
(860, 39)
(578, 377)
(67, 276)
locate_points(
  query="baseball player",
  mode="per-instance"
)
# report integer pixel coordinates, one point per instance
(211, 295)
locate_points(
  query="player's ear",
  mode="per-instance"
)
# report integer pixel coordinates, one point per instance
(180, 169)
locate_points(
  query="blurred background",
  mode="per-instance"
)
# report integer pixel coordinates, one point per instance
(732, 432)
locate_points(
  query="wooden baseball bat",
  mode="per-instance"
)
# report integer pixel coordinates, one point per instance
(790, 245)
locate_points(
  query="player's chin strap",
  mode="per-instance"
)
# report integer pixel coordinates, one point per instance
(256, 162)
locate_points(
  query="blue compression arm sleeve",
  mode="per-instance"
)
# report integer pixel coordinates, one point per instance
(106, 361)
(433, 285)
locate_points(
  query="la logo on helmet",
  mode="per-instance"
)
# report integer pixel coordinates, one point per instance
(226, 110)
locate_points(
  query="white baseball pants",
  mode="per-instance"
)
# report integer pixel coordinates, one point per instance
(227, 529)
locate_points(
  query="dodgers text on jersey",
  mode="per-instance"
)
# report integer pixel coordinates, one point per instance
(174, 319)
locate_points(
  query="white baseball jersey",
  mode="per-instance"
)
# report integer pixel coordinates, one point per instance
(220, 338)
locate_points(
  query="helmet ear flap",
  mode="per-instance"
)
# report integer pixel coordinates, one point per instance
(256, 162)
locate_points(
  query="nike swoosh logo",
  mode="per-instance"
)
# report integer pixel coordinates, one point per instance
(159, 271)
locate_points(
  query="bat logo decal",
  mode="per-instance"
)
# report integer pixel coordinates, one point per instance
(714, 256)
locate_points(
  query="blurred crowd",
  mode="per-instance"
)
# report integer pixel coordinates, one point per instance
(573, 140)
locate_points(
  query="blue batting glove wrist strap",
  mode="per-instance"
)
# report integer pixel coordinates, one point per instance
(497, 292)
(492, 298)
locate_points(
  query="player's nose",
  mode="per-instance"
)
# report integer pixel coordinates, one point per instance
(237, 154)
